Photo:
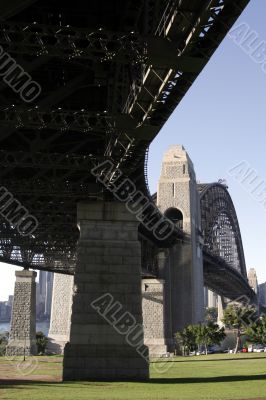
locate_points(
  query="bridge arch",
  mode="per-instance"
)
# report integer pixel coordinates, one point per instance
(220, 227)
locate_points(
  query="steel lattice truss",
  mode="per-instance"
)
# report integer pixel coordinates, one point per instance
(110, 73)
(224, 260)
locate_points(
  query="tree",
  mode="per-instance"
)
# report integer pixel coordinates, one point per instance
(210, 334)
(186, 339)
(199, 335)
(41, 342)
(257, 331)
(211, 314)
(238, 318)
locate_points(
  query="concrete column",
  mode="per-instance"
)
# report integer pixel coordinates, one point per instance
(186, 288)
(23, 322)
(153, 316)
(107, 297)
(165, 274)
(59, 330)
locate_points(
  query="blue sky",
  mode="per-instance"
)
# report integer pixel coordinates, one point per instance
(221, 121)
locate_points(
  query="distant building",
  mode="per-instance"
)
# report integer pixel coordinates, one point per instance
(252, 280)
(44, 289)
(262, 293)
(49, 293)
(6, 309)
(10, 300)
(210, 299)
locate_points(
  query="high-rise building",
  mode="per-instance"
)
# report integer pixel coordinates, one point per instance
(5, 309)
(44, 290)
(252, 279)
(42, 284)
(210, 298)
(48, 294)
(262, 293)
(10, 300)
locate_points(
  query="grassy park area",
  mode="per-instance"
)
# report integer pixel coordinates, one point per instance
(219, 376)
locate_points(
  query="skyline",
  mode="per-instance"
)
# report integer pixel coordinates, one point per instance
(224, 107)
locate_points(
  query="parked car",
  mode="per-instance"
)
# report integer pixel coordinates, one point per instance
(259, 348)
(250, 348)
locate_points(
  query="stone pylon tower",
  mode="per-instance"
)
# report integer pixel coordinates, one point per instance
(178, 199)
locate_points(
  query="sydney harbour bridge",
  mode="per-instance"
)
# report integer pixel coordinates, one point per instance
(102, 79)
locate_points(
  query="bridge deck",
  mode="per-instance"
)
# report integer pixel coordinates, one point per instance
(110, 73)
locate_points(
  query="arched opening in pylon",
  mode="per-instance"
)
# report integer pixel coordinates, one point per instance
(175, 215)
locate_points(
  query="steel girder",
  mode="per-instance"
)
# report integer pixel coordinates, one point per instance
(93, 123)
(13, 7)
(224, 280)
(75, 121)
(162, 88)
(101, 46)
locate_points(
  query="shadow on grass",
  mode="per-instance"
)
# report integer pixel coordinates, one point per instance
(10, 384)
(198, 359)
(215, 379)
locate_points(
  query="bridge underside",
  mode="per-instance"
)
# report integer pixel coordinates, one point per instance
(225, 280)
(110, 74)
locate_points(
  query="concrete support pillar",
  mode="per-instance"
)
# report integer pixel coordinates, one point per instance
(59, 330)
(186, 280)
(22, 338)
(165, 274)
(153, 316)
(107, 297)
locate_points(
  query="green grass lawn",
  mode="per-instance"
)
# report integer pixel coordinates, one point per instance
(220, 376)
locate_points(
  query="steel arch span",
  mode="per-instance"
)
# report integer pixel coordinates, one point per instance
(224, 259)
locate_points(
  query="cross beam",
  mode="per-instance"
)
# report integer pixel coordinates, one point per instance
(99, 45)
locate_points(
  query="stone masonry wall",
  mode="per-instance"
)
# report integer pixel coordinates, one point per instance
(61, 313)
(23, 322)
(153, 315)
